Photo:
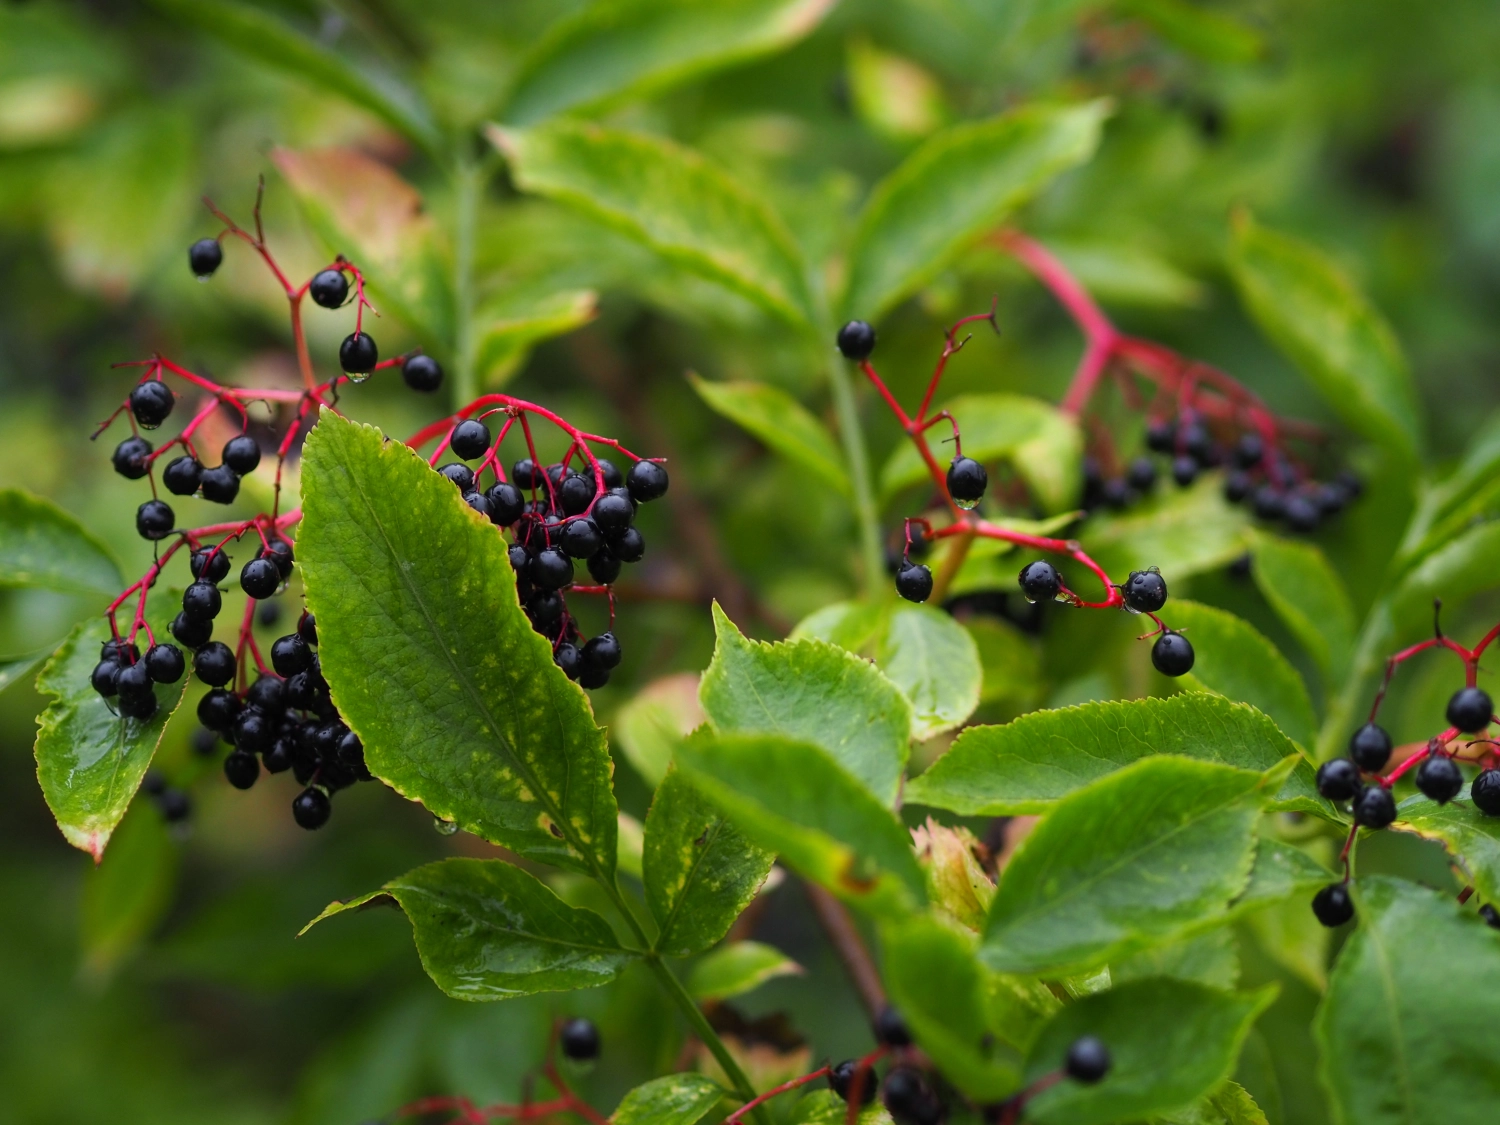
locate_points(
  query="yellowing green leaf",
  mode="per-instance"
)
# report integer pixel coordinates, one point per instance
(737, 968)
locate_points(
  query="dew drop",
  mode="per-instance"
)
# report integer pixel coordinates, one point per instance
(203, 277)
(444, 827)
(361, 377)
(967, 505)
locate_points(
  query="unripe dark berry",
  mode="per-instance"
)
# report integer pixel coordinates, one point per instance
(241, 769)
(1145, 591)
(646, 481)
(218, 710)
(628, 545)
(214, 664)
(129, 457)
(602, 651)
(133, 680)
(259, 578)
(165, 663)
(154, 519)
(1040, 581)
(613, 512)
(204, 257)
(524, 473)
(1470, 709)
(1484, 791)
(604, 567)
(550, 569)
(908, 1098)
(268, 693)
(253, 730)
(581, 538)
(1333, 905)
(103, 677)
(967, 480)
(460, 474)
(1185, 469)
(914, 582)
(506, 502)
(890, 1028)
(1370, 747)
(422, 373)
(191, 631)
(181, 476)
(1161, 435)
(220, 485)
(470, 440)
(1338, 779)
(241, 453)
(1172, 654)
(330, 288)
(1374, 807)
(1141, 475)
(311, 808)
(201, 601)
(579, 1039)
(140, 707)
(841, 1081)
(856, 340)
(1088, 1060)
(576, 493)
(151, 402)
(358, 354)
(1439, 778)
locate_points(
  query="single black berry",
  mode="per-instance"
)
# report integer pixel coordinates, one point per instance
(646, 481)
(278, 759)
(221, 484)
(592, 678)
(310, 808)
(581, 538)
(154, 519)
(1330, 498)
(1490, 916)
(201, 601)
(550, 569)
(1338, 779)
(151, 402)
(1088, 1060)
(967, 480)
(1269, 502)
(268, 693)
(133, 680)
(1237, 485)
(307, 629)
(1116, 494)
(120, 651)
(568, 658)
(470, 440)
(579, 1039)
(1470, 709)
(908, 1098)
(290, 655)
(1370, 746)
(210, 564)
(914, 582)
(422, 373)
(241, 453)
(1040, 581)
(544, 607)
(1439, 778)
(103, 677)
(280, 552)
(613, 478)
(856, 340)
(613, 512)
(1197, 442)
(141, 707)
(460, 474)
(175, 806)
(253, 730)
(219, 709)
(329, 288)
(524, 473)
(191, 631)
(506, 502)
(130, 457)
(1141, 475)
(1185, 469)
(1333, 905)
(181, 476)
(602, 651)
(1161, 435)
(576, 493)
(1248, 451)
(1301, 513)
(1484, 790)
(241, 768)
(204, 257)
(358, 354)
(604, 567)
(259, 578)
(1374, 807)
(214, 664)
(890, 1029)
(1145, 591)
(841, 1081)
(1172, 654)
(480, 503)
(165, 663)
(628, 545)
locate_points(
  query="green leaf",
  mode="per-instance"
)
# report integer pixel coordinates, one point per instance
(1403, 1029)
(1183, 532)
(669, 198)
(41, 546)
(1459, 569)
(1472, 838)
(263, 36)
(89, 760)
(455, 696)
(1280, 871)
(1230, 1104)
(924, 652)
(651, 725)
(1466, 495)
(677, 1099)
(1200, 31)
(824, 1107)
(487, 930)
(781, 423)
(1210, 957)
(1013, 676)
(611, 51)
(1036, 439)
(893, 95)
(1128, 273)
(987, 565)
(1135, 858)
(960, 184)
(1170, 1042)
(794, 799)
(699, 870)
(509, 325)
(1290, 934)
(1026, 765)
(1315, 314)
(18, 668)
(738, 968)
(1300, 585)
(810, 690)
(1235, 660)
(126, 897)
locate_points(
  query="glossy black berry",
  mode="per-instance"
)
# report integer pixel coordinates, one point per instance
(1301, 513)
(613, 478)
(581, 538)
(329, 288)
(1370, 746)
(914, 582)
(1439, 778)
(525, 474)
(210, 564)
(506, 502)
(604, 567)
(1338, 779)
(1185, 469)
(280, 552)
(120, 651)
(1333, 905)
(592, 678)
(1161, 435)
(151, 402)
(1172, 654)
(908, 1098)
(422, 373)
(154, 519)
(576, 493)
(268, 693)
(307, 629)
(1145, 591)
(579, 1039)
(218, 710)
(1484, 791)
(544, 607)
(1269, 502)
(254, 730)
(201, 601)
(1141, 475)
(310, 808)
(1470, 709)
(358, 354)
(967, 480)
(568, 658)
(1237, 485)
(1088, 1060)
(191, 631)
(460, 474)
(890, 1029)
(1040, 581)
(628, 545)
(241, 453)
(220, 485)
(130, 457)
(204, 257)
(470, 440)
(165, 663)
(602, 651)
(102, 678)
(214, 664)
(1374, 807)
(841, 1081)
(290, 655)
(181, 476)
(646, 481)
(1490, 916)
(133, 679)
(480, 503)
(139, 707)
(241, 768)
(613, 512)
(550, 569)
(260, 578)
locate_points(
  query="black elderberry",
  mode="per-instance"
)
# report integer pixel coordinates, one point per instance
(181, 476)
(280, 552)
(967, 480)
(218, 710)
(1338, 779)
(141, 707)
(1330, 499)
(613, 478)
(1040, 581)
(520, 557)
(914, 582)
(544, 607)
(241, 769)
(151, 402)
(1268, 502)
(1470, 709)
(480, 503)
(856, 340)
(1374, 807)
(290, 655)
(154, 519)
(358, 354)
(579, 1039)
(907, 1097)
(506, 502)
(130, 457)
(1484, 791)
(1370, 746)
(1141, 475)
(592, 678)
(576, 493)
(210, 564)
(525, 474)
(581, 538)
(214, 664)
(1301, 513)
(602, 651)
(133, 680)
(120, 651)
(470, 440)
(253, 731)
(302, 691)
(1197, 442)
(165, 663)
(351, 751)
(220, 485)
(613, 512)
(628, 545)
(1161, 435)
(241, 453)
(1184, 469)
(422, 373)
(841, 1081)
(1237, 485)
(1248, 451)
(307, 629)
(1088, 1060)
(550, 569)
(330, 288)
(268, 693)
(1333, 905)
(460, 474)
(260, 578)
(1116, 494)
(646, 481)
(278, 759)
(191, 631)
(1145, 591)
(604, 567)
(1172, 654)
(204, 257)
(1439, 779)
(568, 658)
(557, 472)
(311, 808)
(103, 677)
(201, 601)
(1490, 916)
(890, 1028)
(205, 742)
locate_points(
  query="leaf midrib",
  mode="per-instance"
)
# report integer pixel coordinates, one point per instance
(717, 828)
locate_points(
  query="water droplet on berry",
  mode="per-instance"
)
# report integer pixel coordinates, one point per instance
(967, 505)
(359, 377)
(444, 827)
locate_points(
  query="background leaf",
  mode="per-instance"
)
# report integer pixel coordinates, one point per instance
(650, 726)
(737, 968)
(128, 895)
(42, 546)
(1183, 531)
(677, 1099)
(781, 423)
(1300, 585)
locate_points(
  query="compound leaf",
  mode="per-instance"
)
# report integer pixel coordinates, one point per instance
(41, 546)
(738, 968)
(1300, 585)
(1470, 837)
(781, 423)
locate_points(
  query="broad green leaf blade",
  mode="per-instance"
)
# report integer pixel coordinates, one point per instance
(1405, 1027)
(263, 36)
(651, 725)
(455, 696)
(1138, 857)
(941, 988)
(126, 897)
(960, 184)
(1472, 838)
(677, 1099)
(1183, 531)
(1026, 765)
(1210, 957)
(1230, 1104)
(1306, 593)
(738, 968)
(669, 198)
(923, 651)
(810, 690)
(610, 51)
(1235, 659)
(1170, 1043)
(89, 760)
(699, 870)
(794, 799)
(781, 423)
(1036, 439)
(42, 546)
(1315, 314)
(486, 930)
(824, 1107)
(1460, 568)
(510, 324)
(1464, 496)
(1280, 872)
(1013, 675)
(1290, 934)
(1200, 31)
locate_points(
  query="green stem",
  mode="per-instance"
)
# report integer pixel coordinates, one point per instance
(701, 1028)
(468, 187)
(853, 436)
